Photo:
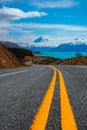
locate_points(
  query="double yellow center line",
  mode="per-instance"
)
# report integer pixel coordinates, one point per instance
(42, 115)
(67, 116)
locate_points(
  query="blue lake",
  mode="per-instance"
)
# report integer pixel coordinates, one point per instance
(61, 55)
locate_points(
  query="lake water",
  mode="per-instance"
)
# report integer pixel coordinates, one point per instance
(61, 55)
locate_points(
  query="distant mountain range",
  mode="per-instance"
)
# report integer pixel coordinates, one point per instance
(78, 46)
(70, 47)
(10, 44)
(40, 39)
(66, 47)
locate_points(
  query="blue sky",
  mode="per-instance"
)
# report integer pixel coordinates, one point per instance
(60, 21)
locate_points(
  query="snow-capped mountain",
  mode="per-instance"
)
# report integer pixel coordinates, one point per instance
(40, 39)
(79, 41)
(78, 45)
(71, 47)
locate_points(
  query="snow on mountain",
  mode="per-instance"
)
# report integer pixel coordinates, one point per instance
(40, 39)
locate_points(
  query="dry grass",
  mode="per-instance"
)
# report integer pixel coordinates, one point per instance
(7, 59)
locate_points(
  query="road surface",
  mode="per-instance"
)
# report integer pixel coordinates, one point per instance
(43, 98)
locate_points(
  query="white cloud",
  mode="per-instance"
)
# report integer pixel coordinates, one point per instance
(15, 14)
(5, 25)
(53, 26)
(3, 32)
(26, 33)
(54, 3)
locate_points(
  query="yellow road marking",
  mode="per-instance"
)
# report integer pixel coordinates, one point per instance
(67, 117)
(41, 117)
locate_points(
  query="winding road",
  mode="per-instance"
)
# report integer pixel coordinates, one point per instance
(42, 97)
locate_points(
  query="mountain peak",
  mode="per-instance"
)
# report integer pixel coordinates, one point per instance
(79, 40)
(40, 39)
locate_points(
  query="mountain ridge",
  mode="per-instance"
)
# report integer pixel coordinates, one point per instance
(65, 47)
(10, 44)
(70, 47)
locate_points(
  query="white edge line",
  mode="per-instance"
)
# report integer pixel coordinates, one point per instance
(13, 73)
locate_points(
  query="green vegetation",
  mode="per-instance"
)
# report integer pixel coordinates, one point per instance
(20, 53)
(79, 54)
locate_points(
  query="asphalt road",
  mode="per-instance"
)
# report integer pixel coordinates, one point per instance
(22, 91)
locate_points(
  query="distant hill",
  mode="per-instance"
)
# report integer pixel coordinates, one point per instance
(40, 39)
(70, 47)
(10, 44)
(7, 59)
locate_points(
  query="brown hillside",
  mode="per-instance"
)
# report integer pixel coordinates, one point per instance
(7, 59)
(47, 61)
(81, 60)
(30, 58)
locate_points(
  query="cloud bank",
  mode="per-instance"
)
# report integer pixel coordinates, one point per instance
(54, 3)
(16, 14)
(53, 26)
